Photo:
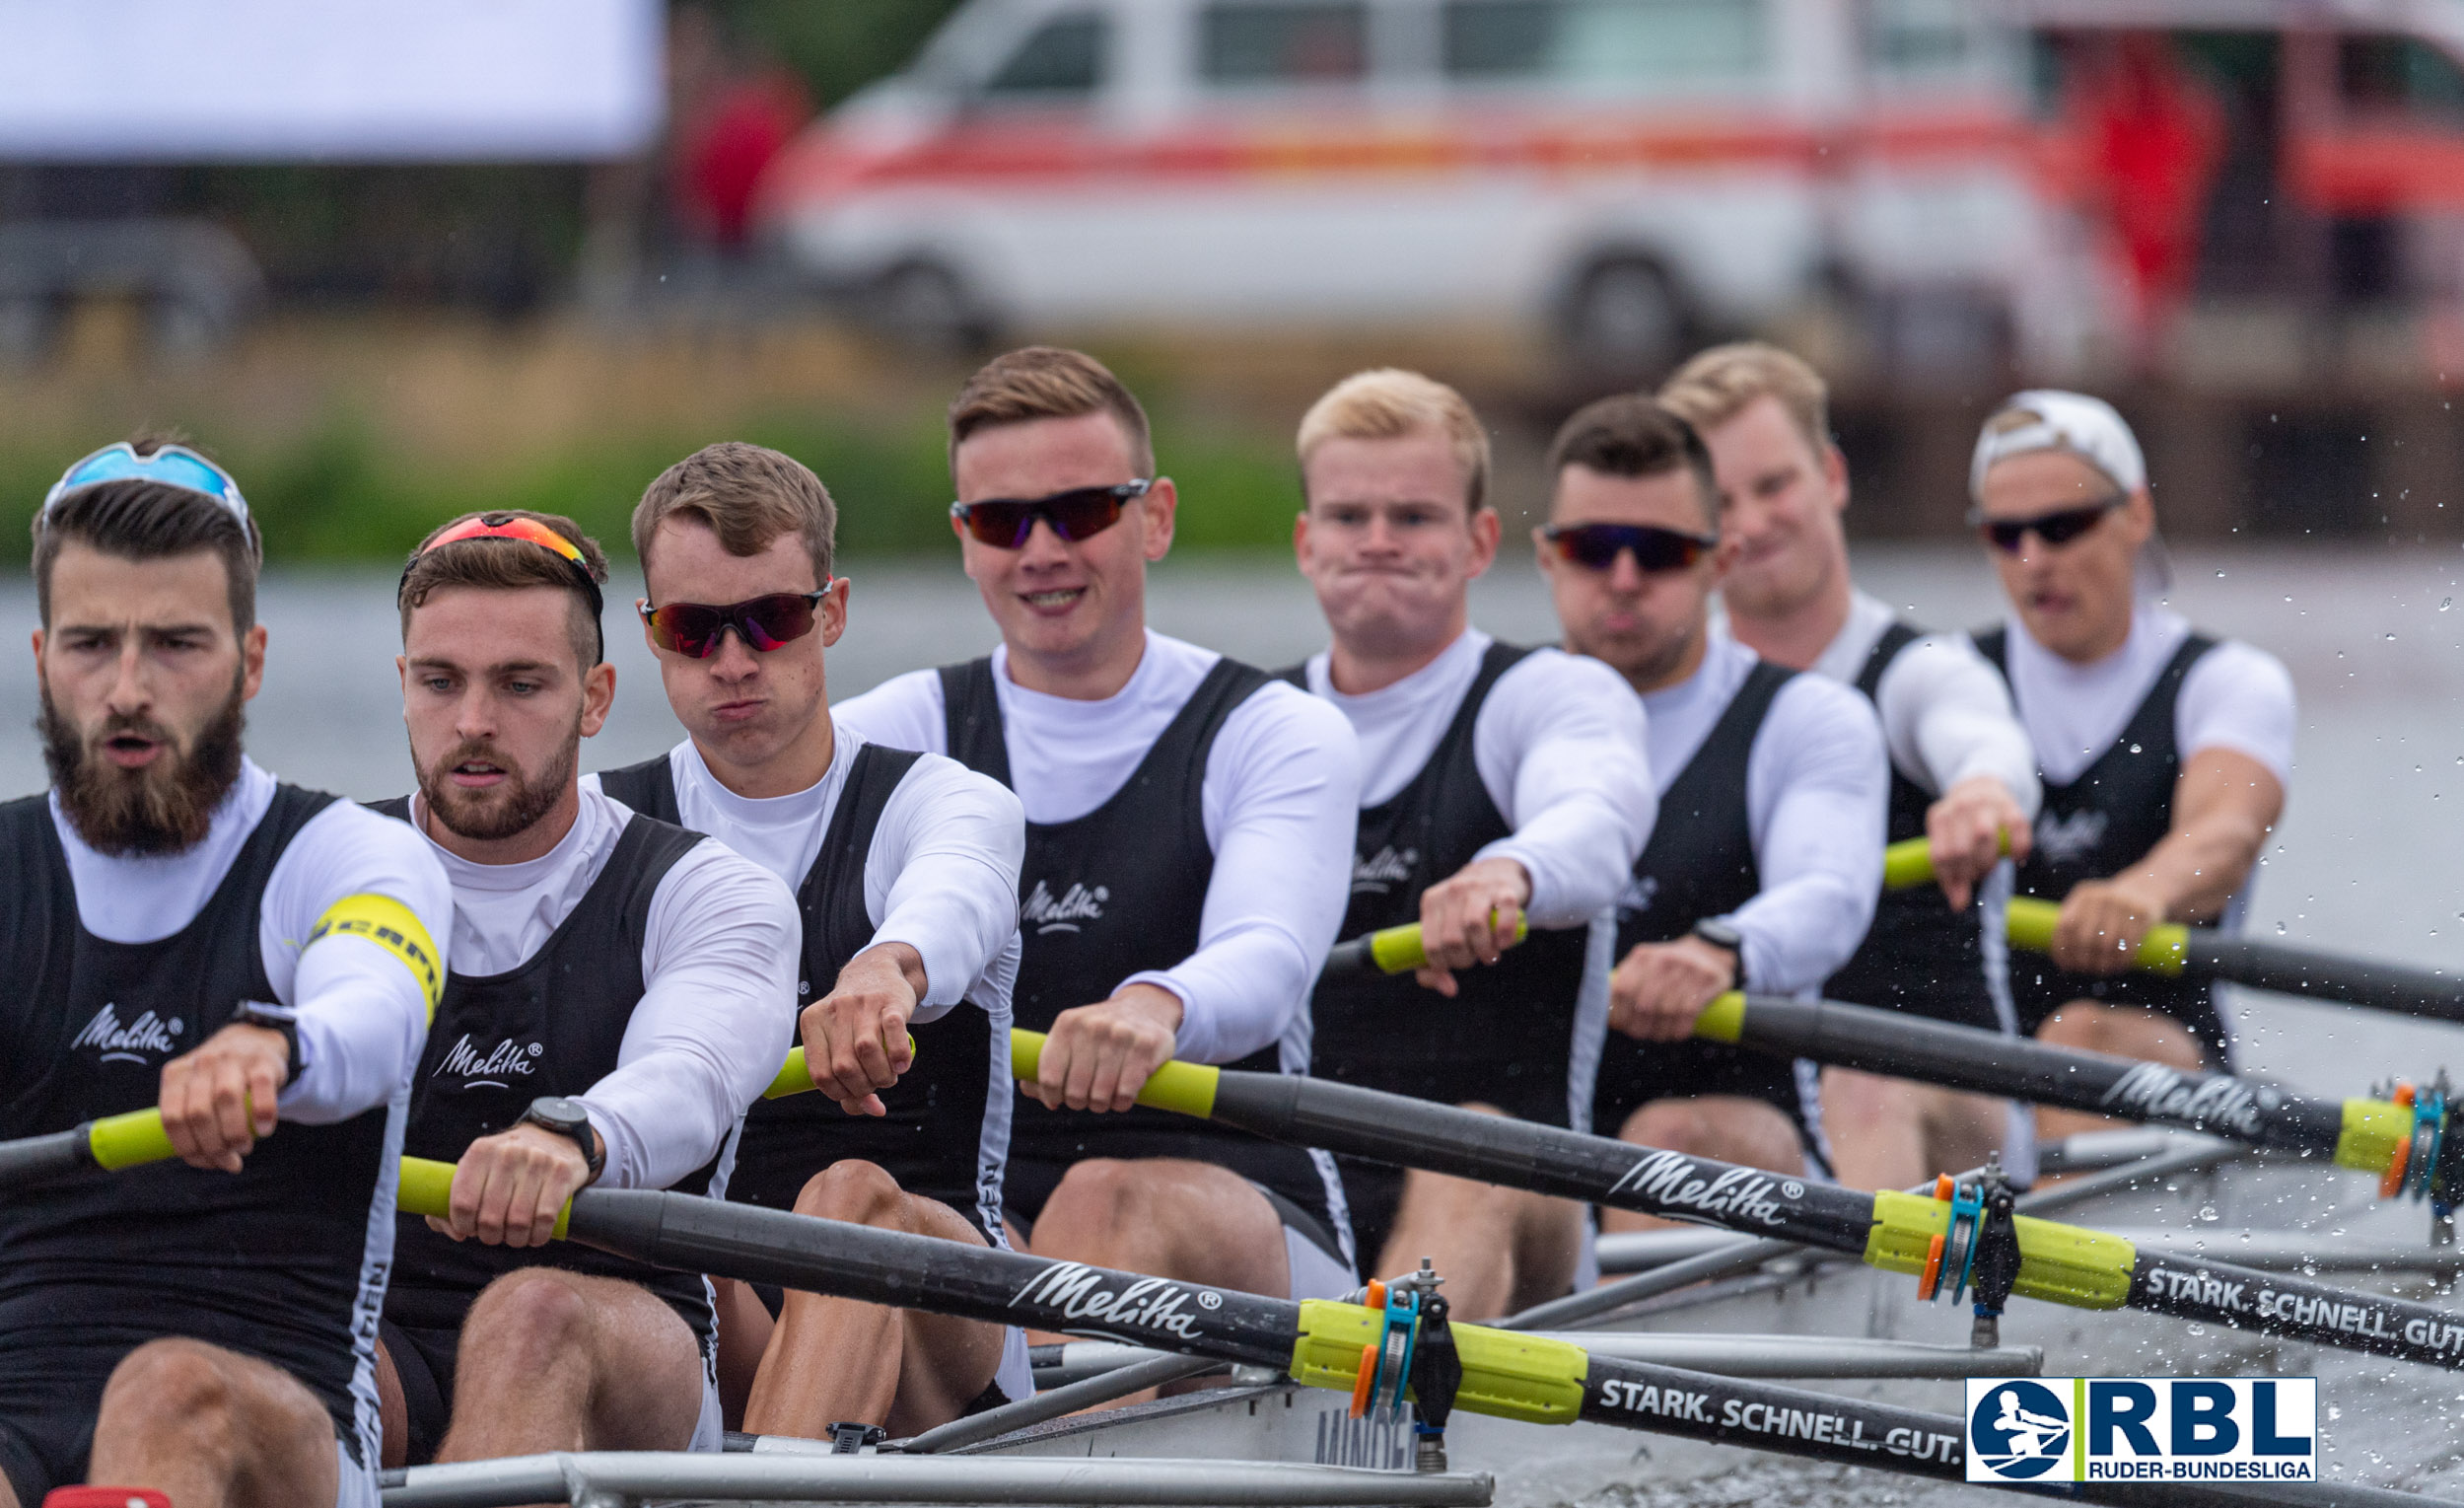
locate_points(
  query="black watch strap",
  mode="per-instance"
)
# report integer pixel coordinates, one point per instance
(1722, 934)
(274, 1018)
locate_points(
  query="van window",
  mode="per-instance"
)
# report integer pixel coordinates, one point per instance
(1919, 37)
(1063, 56)
(1606, 41)
(1315, 41)
(2400, 75)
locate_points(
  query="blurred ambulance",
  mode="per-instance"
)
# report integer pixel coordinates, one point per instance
(1620, 177)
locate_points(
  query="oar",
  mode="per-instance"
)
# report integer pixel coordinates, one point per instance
(2403, 1145)
(1397, 1349)
(1390, 951)
(1948, 1242)
(111, 1143)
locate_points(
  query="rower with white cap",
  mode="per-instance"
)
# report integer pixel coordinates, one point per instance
(2164, 751)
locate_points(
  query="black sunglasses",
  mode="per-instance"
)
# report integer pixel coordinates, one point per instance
(695, 629)
(1596, 546)
(1005, 523)
(2059, 527)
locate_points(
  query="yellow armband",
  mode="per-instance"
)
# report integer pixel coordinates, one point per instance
(390, 925)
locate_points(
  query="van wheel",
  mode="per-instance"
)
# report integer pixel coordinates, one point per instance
(925, 306)
(1624, 322)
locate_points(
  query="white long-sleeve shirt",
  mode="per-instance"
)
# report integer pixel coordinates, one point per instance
(2237, 697)
(941, 874)
(1279, 800)
(1816, 788)
(1946, 715)
(719, 962)
(1559, 746)
(362, 1016)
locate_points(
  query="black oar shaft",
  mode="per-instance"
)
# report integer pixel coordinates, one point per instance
(2290, 970)
(38, 1159)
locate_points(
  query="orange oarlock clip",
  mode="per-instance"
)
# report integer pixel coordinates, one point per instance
(1944, 1187)
(1368, 1379)
(1375, 1298)
(1930, 1281)
(2391, 1182)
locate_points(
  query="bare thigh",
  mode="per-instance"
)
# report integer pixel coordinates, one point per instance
(211, 1426)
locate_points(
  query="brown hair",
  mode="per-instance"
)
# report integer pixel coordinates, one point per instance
(1045, 382)
(1718, 384)
(1388, 404)
(509, 566)
(1630, 435)
(140, 520)
(749, 495)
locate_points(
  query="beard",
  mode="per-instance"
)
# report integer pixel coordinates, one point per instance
(161, 807)
(509, 807)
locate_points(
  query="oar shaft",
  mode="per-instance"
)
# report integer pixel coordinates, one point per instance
(1390, 951)
(2362, 1134)
(2299, 971)
(110, 1143)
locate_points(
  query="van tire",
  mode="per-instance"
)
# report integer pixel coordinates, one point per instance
(926, 306)
(1624, 322)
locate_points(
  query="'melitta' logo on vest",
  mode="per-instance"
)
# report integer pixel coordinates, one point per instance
(1383, 869)
(495, 1068)
(133, 1043)
(1076, 904)
(2061, 840)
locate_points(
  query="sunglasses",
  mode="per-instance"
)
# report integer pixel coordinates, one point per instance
(172, 465)
(2060, 526)
(764, 623)
(1596, 546)
(1075, 515)
(506, 526)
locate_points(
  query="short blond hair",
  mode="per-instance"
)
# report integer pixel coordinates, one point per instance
(1388, 404)
(1718, 384)
(1047, 382)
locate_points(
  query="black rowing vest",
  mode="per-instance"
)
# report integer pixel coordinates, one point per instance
(1920, 955)
(1699, 863)
(273, 1261)
(1390, 1034)
(1108, 895)
(932, 1140)
(2098, 825)
(551, 1026)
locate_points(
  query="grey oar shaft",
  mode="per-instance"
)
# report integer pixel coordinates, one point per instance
(2323, 975)
(1053, 1402)
(1725, 1260)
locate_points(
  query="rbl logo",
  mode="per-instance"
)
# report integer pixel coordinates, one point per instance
(2062, 1429)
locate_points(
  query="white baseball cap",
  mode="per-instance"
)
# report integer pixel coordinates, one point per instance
(2049, 419)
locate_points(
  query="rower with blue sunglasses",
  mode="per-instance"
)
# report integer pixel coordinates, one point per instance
(2164, 751)
(1762, 868)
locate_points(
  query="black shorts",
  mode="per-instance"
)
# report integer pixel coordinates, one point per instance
(2038, 989)
(1634, 1073)
(49, 1393)
(423, 1362)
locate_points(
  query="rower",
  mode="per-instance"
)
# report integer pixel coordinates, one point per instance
(623, 989)
(179, 927)
(906, 870)
(2164, 751)
(1762, 868)
(1503, 783)
(1188, 845)
(1962, 774)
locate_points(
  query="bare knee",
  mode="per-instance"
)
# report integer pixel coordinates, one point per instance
(1103, 1194)
(526, 1317)
(171, 1382)
(858, 1192)
(1677, 1126)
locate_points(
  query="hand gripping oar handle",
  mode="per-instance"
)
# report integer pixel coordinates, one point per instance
(1390, 951)
(111, 1143)
(1909, 863)
(2367, 1135)
(1534, 1378)
(2202, 953)
(2064, 1263)
(794, 1078)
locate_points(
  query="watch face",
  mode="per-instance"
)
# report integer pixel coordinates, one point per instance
(558, 1114)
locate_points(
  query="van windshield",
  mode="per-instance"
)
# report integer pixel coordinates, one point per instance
(1284, 42)
(1608, 42)
(1064, 57)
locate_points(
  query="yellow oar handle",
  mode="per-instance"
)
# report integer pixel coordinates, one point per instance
(133, 1138)
(2030, 922)
(1399, 950)
(1910, 863)
(797, 1079)
(427, 1188)
(1187, 1089)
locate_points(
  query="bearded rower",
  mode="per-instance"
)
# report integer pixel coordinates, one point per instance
(1962, 774)
(179, 928)
(1761, 869)
(1188, 845)
(623, 989)
(1510, 783)
(2164, 751)
(906, 868)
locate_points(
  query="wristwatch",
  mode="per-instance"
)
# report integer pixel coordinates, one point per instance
(1720, 934)
(567, 1117)
(274, 1018)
